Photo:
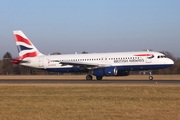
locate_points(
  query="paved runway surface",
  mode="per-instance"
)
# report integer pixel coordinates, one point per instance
(174, 82)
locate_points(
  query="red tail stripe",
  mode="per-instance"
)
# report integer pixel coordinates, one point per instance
(16, 60)
(21, 39)
(33, 54)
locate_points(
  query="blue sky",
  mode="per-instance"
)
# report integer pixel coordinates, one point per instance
(69, 26)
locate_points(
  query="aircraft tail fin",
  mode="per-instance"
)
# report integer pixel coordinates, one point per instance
(25, 46)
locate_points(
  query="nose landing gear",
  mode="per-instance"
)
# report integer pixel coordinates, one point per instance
(150, 75)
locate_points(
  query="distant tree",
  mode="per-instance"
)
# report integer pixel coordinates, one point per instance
(84, 52)
(7, 66)
(178, 70)
(16, 69)
(0, 66)
(168, 54)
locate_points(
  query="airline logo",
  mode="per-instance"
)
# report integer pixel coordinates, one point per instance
(25, 47)
(149, 56)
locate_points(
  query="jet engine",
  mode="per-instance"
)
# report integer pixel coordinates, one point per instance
(107, 71)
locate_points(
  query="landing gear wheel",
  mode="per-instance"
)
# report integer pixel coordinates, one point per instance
(150, 77)
(99, 77)
(89, 77)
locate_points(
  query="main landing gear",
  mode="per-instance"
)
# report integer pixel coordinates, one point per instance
(90, 77)
(150, 75)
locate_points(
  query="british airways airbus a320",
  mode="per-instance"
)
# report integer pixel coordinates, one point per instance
(97, 64)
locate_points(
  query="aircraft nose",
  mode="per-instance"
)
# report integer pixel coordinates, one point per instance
(171, 62)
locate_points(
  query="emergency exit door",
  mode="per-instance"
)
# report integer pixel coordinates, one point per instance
(41, 64)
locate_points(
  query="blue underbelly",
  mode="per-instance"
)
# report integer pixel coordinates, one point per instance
(127, 67)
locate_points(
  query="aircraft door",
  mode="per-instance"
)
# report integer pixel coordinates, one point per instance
(148, 60)
(40, 62)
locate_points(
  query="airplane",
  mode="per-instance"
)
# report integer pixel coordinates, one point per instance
(94, 64)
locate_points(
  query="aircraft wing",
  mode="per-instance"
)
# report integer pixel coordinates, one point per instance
(82, 64)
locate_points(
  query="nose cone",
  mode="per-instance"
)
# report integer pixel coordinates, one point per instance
(170, 62)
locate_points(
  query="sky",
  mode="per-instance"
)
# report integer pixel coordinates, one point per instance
(69, 26)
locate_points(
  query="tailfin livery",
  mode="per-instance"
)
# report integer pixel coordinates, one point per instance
(24, 45)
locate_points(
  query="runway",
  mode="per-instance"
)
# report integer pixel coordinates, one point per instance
(174, 82)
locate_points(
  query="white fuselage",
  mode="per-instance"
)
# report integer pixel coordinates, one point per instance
(97, 64)
(121, 60)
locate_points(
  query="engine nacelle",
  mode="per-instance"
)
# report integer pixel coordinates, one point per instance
(123, 73)
(107, 71)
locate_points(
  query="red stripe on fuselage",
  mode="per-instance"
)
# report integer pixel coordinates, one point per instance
(144, 55)
(21, 39)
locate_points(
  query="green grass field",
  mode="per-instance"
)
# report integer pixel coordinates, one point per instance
(89, 102)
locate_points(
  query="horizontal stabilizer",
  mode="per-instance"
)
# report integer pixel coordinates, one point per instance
(16, 61)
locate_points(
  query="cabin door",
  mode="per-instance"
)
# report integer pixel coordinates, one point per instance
(148, 60)
(41, 64)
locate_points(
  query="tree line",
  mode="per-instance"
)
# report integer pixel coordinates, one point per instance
(8, 68)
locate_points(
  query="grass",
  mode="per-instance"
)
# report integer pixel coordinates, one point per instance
(82, 77)
(89, 102)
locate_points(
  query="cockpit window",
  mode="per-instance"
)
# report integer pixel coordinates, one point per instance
(161, 56)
